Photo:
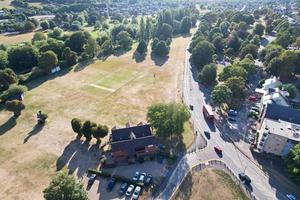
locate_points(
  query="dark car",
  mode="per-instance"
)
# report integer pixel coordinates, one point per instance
(123, 188)
(148, 179)
(232, 112)
(231, 119)
(191, 107)
(207, 134)
(111, 184)
(244, 178)
(92, 179)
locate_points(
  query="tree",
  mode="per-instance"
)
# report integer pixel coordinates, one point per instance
(77, 41)
(15, 106)
(168, 119)
(12, 91)
(29, 26)
(292, 161)
(142, 30)
(7, 77)
(237, 87)
(208, 74)
(248, 65)
(165, 32)
(91, 47)
(161, 49)
(221, 94)
(259, 29)
(44, 25)
(291, 89)
(69, 56)
(99, 132)
(38, 36)
(249, 49)
(142, 47)
(86, 129)
(275, 66)
(283, 38)
(232, 71)
(47, 61)
(64, 186)
(56, 33)
(22, 58)
(76, 126)
(124, 40)
(219, 44)
(106, 48)
(3, 59)
(233, 41)
(202, 54)
(185, 25)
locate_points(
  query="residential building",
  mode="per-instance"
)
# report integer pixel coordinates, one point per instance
(279, 129)
(132, 142)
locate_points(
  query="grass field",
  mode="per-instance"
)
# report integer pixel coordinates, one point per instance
(209, 184)
(14, 39)
(110, 92)
(5, 4)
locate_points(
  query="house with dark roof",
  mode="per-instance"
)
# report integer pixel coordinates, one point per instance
(132, 142)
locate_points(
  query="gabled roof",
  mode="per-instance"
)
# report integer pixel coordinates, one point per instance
(127, 133)
(276, 112)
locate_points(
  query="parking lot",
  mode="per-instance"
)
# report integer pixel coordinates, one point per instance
(99, 189)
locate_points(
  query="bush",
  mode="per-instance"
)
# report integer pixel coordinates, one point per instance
(11, 91)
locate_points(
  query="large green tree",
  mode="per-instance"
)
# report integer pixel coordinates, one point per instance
(76, 126)
(167, 119)
(124, 40)
(203, 53)
(3, 59)
(208, 74)
(47, 61)
(161, 49)
(77, 41)
(292, 161)
(65, 187)
(7, 77)
(185, 25)
(237, 87)
(259, 29)
(221, 94)
(15, 106)
(142, 47)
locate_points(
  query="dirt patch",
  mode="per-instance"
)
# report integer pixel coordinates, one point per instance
(209, 184)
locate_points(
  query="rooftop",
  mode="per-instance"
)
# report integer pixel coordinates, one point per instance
(279, 112)
(120, 134)
(282, 128)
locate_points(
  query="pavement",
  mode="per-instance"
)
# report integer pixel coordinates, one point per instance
(263, 186)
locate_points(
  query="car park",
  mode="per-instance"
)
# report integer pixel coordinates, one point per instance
(244, 178)
(123, 188)
(232, 112)
(92, 178)
(129, 191)
(142, 177)
(136, 193)
(148, 179)
(111, 184)
(136, 176)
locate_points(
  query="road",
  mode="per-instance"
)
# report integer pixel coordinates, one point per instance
(262, 186)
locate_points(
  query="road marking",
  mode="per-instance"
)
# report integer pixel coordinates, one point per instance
(102, 87)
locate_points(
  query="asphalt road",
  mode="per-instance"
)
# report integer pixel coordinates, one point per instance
(262, 187)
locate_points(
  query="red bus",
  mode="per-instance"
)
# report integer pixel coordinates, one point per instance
(208, 112)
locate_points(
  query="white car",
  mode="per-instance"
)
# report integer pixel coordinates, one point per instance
(136, 193)
(129, 190)
(142, 177)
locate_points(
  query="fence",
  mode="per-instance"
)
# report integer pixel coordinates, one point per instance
(217, 164)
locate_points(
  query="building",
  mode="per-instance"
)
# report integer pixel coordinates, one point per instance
(132, 142)
(275, 96)
(279, 130)
(270, 83)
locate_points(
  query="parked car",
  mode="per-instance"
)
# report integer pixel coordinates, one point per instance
(136, 176)
(253, 112)
(218, 149)
(231, 119)
(111, 184)
(291, 197)
(244, 178)
(207, 134)
(252, 98)
(255, 108)
(129, 191)
(232, 112)
(148, 179)
(142, 177)
(136, 193)
(92, 179)
(191, 107)
(123, 188)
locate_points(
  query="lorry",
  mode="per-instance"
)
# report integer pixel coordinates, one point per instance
(208, 112)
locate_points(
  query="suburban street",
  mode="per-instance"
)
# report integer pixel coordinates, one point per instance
(263, 187)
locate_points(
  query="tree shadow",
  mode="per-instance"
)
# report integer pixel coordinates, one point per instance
(35, 82)
(183, 191)
(120, 52)
(82, 65)
(9, 124)
(159, 61)
(79, 156)
(36, 129)
(138, 57)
